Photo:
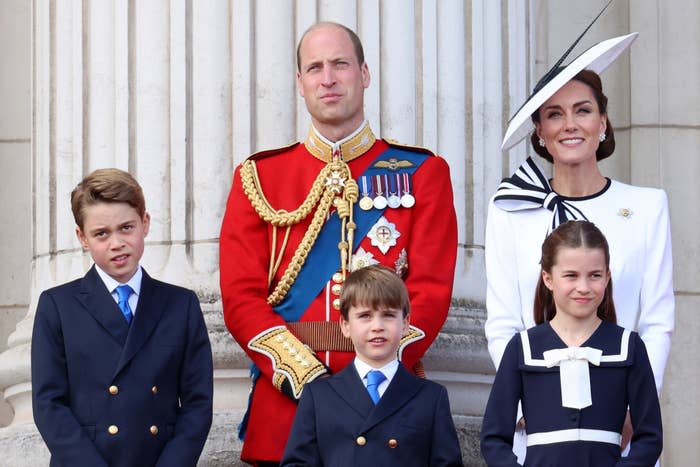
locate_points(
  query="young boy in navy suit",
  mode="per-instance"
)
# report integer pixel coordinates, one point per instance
(121, 363)
(374, 412)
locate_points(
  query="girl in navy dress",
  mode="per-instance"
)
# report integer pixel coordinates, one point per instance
(576, 373)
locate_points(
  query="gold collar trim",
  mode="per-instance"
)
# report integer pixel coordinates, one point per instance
(351, 146)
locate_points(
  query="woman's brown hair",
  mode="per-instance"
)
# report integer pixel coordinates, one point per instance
(571, 234)
(605, 148)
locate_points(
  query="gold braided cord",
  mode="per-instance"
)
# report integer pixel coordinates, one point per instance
(302, 251)
(279, 256)
(323, 193)
(281, 217)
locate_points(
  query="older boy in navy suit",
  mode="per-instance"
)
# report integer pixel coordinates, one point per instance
(373, 412)
(121, 362)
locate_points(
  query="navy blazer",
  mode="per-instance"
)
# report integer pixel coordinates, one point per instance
(337, 424)
(108, 394)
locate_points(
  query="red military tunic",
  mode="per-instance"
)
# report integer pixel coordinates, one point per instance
(427, 242)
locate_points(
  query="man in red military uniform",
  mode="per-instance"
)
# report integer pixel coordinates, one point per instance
(299, 218)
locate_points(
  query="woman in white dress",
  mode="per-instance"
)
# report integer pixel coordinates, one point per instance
(573, 132)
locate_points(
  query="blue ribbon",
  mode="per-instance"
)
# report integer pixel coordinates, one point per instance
(320, 263)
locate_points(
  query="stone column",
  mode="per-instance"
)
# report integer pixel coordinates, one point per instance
(665, 137)
(15, 151)
(179, 92)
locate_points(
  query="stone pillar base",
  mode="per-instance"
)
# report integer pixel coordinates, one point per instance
(21, 445)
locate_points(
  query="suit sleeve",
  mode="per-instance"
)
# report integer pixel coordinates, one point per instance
(67, 441)
(647, 440)
(657, 304)
(501, 410)
(432, 254)
(196, 394)
(504, 315)
(302, 448)
(445, 450)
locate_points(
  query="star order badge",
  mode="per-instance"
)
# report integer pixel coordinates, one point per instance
(362, 259)
(383, 234)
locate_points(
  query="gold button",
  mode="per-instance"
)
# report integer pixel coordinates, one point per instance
(113, 430)
(392, 443)
(154, 389)
(113, 390)
(361, 441)
(336, 304)
(337, 277)
(336, 289)
(154, 430)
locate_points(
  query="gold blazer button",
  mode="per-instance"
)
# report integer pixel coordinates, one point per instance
(154, 430)
(392, 443)
(113, 390)
(154, 389)
(113, 430)
(361, 441)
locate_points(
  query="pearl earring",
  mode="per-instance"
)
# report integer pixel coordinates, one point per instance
(601, 137)
(541, 141)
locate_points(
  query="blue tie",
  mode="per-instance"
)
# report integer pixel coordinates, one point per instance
(124, 291)
(374, 378)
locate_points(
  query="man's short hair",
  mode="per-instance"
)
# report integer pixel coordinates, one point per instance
(375, 287)
(356, 43)
(106, 186)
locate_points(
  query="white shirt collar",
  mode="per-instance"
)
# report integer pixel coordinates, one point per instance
(111, 283)
(389, 369)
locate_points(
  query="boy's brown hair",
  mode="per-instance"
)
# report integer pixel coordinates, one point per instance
(106, 186)
(375, 287)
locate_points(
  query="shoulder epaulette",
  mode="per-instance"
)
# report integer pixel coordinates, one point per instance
(396, 144)
(272, 152)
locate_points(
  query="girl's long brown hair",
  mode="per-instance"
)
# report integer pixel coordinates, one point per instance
(571, 234)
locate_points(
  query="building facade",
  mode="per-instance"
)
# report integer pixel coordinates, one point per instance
(178, 92)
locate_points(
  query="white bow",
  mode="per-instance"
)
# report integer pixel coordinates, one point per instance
(574, 377)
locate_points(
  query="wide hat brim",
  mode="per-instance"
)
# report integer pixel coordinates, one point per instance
(597, 59)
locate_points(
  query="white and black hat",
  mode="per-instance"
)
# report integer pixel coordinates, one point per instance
(596, 58)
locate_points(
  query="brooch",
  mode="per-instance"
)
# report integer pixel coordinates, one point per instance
(625, 213)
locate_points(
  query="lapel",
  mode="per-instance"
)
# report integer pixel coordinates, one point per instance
(150, 308)
(350, 388)
(401, 389)
(97, 300)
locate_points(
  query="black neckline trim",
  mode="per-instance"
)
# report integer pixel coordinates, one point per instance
(583, 198)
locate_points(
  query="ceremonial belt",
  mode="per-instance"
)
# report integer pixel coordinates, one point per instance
(575, 434)
(321, 335)
(319, 265)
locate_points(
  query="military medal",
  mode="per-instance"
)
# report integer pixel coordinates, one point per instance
(383, 234)
(379, 200)
(407, 200)
(365, 202)
(393, 201)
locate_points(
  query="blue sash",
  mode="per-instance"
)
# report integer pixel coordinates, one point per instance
(324, 259)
